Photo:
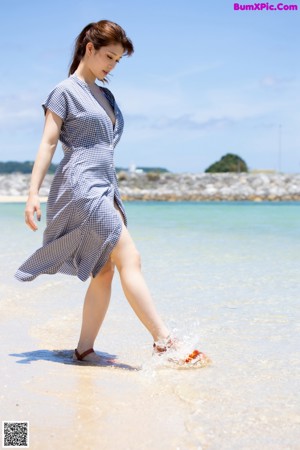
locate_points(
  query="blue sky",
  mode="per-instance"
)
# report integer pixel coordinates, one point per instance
(205, 80)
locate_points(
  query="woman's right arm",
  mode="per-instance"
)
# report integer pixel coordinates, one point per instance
(42, 162)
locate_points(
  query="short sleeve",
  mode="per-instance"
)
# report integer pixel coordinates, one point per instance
(57, 102)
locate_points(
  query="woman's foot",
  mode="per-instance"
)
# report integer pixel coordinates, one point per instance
(172, 348)
(88, 356)
(163, 345)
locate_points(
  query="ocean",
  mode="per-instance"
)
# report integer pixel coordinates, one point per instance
(223, 275)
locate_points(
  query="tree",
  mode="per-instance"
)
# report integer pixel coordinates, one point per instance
(21, 167)
(228, 163)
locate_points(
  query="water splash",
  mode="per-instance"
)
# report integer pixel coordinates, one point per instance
(187, 354)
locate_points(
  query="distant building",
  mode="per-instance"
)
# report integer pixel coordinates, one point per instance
(133, 169)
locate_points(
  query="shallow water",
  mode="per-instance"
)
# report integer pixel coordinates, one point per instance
(222, 274)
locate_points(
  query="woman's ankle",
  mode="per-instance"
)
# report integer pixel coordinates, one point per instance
(161, 336)
(82, 346)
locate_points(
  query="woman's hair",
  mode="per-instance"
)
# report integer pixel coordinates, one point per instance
(100, 34)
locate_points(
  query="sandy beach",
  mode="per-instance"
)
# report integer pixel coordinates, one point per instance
(73, 406)
(228, 405)
(238, 300)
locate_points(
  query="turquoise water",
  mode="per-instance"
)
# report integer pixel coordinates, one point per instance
(224, 274)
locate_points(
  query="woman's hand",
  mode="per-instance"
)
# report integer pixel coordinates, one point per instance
(44, 156)
(32, 206)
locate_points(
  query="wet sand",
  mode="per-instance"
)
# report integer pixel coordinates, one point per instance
(245, 399)
(77, 406)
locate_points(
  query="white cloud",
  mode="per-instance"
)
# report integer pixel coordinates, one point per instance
(169, 107)
(270, 81)
(215, 109)
(183, 122)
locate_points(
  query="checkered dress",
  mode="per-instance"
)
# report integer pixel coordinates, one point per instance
(83, 225)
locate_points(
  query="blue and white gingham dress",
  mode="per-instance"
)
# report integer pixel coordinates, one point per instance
(83, 225)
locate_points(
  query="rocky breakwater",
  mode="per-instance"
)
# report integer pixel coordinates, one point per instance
(17, 184)
(182, 187)
(210, 187)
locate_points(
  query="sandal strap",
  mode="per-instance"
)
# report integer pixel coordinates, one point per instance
(163, 345)
(80, 356)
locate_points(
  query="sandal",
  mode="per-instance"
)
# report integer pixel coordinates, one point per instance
(80, 356)
(171, 345)
(164, 345)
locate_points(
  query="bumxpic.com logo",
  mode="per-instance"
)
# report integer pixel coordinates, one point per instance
(264, 7)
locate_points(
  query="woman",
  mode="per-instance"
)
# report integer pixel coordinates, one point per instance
(86, 232)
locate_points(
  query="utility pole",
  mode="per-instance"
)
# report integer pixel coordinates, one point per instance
(279, 147)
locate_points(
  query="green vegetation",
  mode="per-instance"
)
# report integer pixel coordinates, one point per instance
(21, 167)
(153, 169)
(26, 167)
(228, 163)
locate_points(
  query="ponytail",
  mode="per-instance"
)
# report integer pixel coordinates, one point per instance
(79, 49)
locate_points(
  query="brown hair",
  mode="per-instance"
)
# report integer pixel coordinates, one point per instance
(100, 34)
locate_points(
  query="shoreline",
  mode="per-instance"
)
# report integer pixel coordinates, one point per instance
(197, 187)
(18, 199)
(23, 199)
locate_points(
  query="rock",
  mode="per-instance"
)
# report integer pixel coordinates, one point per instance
(183, 187)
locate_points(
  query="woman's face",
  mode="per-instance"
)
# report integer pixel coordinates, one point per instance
(103, 61)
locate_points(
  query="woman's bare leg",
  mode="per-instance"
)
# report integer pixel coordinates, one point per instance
(127, 260)
(94, 309)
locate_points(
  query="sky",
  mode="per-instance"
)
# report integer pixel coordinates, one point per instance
(205, 79)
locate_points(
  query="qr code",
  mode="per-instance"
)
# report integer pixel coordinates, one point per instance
(15, 434)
